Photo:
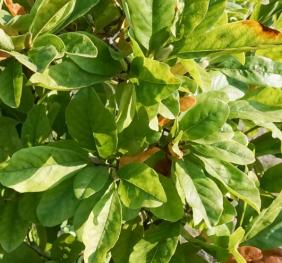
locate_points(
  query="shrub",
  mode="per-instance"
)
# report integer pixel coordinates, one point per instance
(140, 131)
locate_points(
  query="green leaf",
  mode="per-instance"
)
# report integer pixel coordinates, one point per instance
(66, 248)
(108, 62)
(81, 8)
(151, 21)
(154, 79)
(228, 151)
(21, 255)
(9, 138)
(207, 117)
(36, 127)
(185, 249)
(27, 207)
(229, 212)
(89, 181)
(78, 44)
(265, 218)
(50, 15)
(270, 237)
(82, 212)
(138, 135)
(267, 96)
(91, 124)
(129, 236)
(140, 186)
(6, 42)
(102, 228)
(57, 204)
(172, 210)
(52, 40)
(254, 111)
(42, 57)
(11, 84)
(65, 76)
(237, 37)
(272, 180)
(24, 60)
(224, 134)
(12, 228)
(40, 168)
(126, 106)
(192, 15)
(234, 180)
(216, 11)
(158, 244)
(256, 71)
(45, 49)
(200, 192)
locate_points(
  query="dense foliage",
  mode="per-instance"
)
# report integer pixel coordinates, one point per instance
(140, 130)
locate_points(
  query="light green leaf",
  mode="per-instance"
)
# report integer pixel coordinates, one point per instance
(216, 11)
(57, 204)
(140, 186)
(11, 84)
(254, 111)
(234, 242)
(158, 244)
(89, 181)
(154, 80)
(224, 134)
(234, 180)
(50, 15)
(228, 151)
(193, 13)
(91, 123)
(12, 228)
(267, 96)
(265, 218)
(83, 211)
(102, 229)
(78, 44)
(24, 60)
(172, 210)
(65, 76)
(108, 62)
(257, 70)
(200, 192)
(36, 127)
(52, 40)
(126, 106)
(150, 21)
(6, 42)
(40, 168)
(237, 37)
(207, 117)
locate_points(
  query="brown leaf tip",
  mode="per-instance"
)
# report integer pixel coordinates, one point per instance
(262, 29)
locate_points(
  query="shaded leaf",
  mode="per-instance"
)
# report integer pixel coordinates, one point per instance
(158, 244)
